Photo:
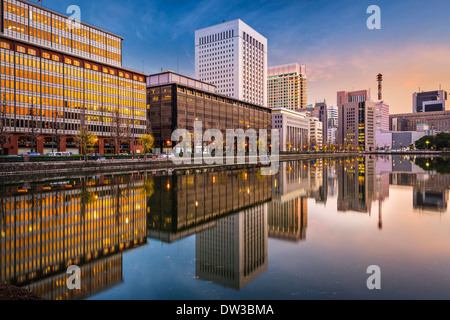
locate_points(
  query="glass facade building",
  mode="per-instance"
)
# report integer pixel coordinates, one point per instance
(54, 71)
(176, 102)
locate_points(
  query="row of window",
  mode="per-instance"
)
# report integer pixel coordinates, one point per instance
(61, 25)
(67, 60)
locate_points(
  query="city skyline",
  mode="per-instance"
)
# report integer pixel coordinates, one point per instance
(331, 39)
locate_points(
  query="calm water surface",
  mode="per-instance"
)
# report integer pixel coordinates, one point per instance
(309, 232)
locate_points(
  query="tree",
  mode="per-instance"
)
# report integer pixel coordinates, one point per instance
(147, 141)
(33, 126)
(442, 141)
(119, 129)
(85, 140)
(425, 143)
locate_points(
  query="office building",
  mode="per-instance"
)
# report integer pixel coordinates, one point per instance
(315, 133)
(381, 116)
(353, 96)
(356, 128)
(333, 116)
(56, 73)
(287, 86)
(233, 57)
(436, 120)
(294, 129)
(176, 102)
(429, 101)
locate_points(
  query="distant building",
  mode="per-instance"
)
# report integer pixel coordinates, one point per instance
(287, 86)
(353, 96)
(429, 101)
(233, 57)
(333, 121)
(383, 140)
(319, 111)
(293, 127)
(333, 116)
(437, 120)
(357, 125)
(315, 133)
(382, 116)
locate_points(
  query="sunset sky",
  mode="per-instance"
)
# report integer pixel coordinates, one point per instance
(411, 50)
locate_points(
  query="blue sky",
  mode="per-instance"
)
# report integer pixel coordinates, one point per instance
(329, 37)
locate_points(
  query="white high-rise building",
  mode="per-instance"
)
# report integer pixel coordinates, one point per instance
(233, 57)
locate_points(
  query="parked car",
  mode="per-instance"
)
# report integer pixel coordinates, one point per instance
(95, 156)
(33, 154)
(54, 154)
(167, 155)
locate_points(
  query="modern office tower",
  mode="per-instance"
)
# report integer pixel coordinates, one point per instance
(57, 74)
(429, 101)
(356, 128)
(381, 116)
(293, 128)
(353, 96)
(315, 133)
(233, 57)
(234, 252)
(176, 102)
(437, 120)
(287, 86)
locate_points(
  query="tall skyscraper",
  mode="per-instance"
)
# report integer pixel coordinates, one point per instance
(54, 71)
(287, 86)
(233, 57)
(429, 101)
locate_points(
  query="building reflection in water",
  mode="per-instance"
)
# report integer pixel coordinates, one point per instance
(90, 222)
(86, 222)
(234, 251)
(288, 211)
(184, 204)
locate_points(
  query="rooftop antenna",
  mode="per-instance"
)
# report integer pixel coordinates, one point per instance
(380, 86)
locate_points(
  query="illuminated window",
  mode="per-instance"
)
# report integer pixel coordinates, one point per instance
(55, 58)
(21, 49)
(5, 45)
(112, 72)
(45, 55)
(68, 61)
(95, 68)
(105, 70)
(87, 66)
(76, 63)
